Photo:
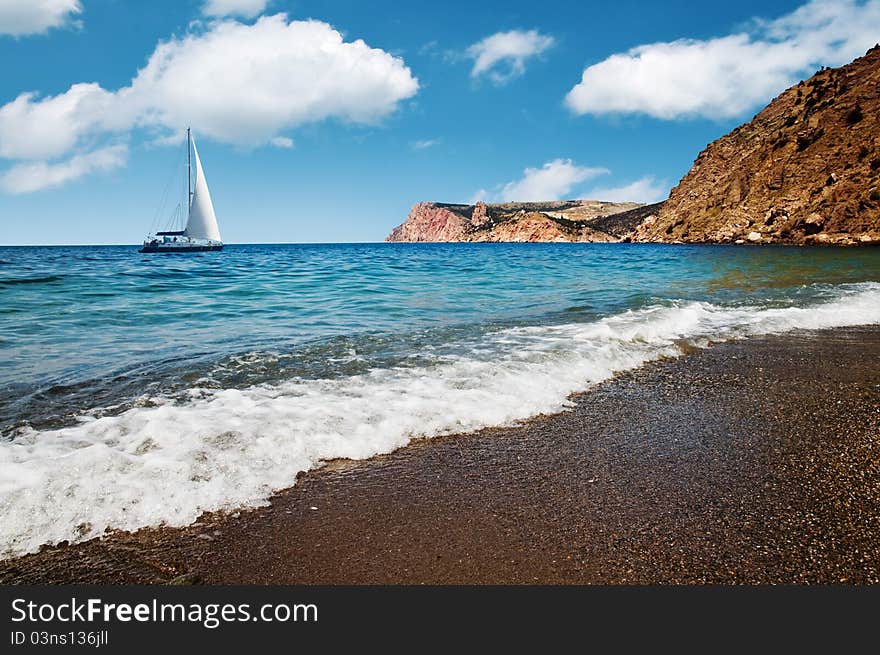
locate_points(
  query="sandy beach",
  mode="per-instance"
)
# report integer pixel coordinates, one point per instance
(752, 461)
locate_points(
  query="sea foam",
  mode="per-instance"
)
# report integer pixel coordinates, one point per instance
(232, 448)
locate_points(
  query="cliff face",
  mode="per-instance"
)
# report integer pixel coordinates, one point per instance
(805, 170)
(568, 220)
(428, 221)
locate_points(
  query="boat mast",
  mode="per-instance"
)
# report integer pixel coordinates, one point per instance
(188, 171)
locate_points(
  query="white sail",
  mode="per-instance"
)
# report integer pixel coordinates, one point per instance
(202, 223)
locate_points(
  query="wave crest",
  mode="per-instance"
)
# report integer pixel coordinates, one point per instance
(168, 462)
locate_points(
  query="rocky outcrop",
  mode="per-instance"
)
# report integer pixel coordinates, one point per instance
(805, 170)
(622, 224)
(428, 221)
(566, 220)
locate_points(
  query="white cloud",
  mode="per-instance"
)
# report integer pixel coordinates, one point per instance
(424, 144)
(34, 176)
(244, 84)
(282, 142)
(727, 76)
(556, 179)
(236, 83)
(552, 181)
(243, 8)
(43, 129)
(645, 190)
(20, 17)
(502, 56)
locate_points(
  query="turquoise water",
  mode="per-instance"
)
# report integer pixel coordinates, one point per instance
(212, 378)
(70, 318)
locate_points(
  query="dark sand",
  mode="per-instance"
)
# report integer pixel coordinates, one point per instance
(748, 462)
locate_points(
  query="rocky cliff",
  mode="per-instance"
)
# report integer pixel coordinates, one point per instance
(566, 220)
(805, 170)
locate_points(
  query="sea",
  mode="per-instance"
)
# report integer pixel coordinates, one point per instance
(142, 390)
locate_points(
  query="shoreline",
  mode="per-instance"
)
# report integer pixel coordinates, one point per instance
(753, 461)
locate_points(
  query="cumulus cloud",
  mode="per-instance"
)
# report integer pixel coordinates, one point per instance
(645, 190)
(243, 84)
(243, 8)
(552, 181)
(34, 176)
(20, 17)
(727, 76)
(32, 128)
(556, 180)
(236, 83)
(502, 56)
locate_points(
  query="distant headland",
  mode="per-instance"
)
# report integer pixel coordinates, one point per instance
(803, 171)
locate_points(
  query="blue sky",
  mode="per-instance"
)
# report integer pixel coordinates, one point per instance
(329, 130)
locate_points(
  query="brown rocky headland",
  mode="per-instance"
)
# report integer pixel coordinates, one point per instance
(804, 171)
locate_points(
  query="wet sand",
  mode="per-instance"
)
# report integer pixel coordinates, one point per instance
(748, 462)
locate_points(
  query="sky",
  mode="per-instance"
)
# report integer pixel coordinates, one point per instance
(325, 121)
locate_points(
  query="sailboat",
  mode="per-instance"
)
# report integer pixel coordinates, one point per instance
(201, 232)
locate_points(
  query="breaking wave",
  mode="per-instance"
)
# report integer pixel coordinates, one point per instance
(168, 462)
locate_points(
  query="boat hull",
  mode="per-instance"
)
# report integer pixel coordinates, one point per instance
(168, 248)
